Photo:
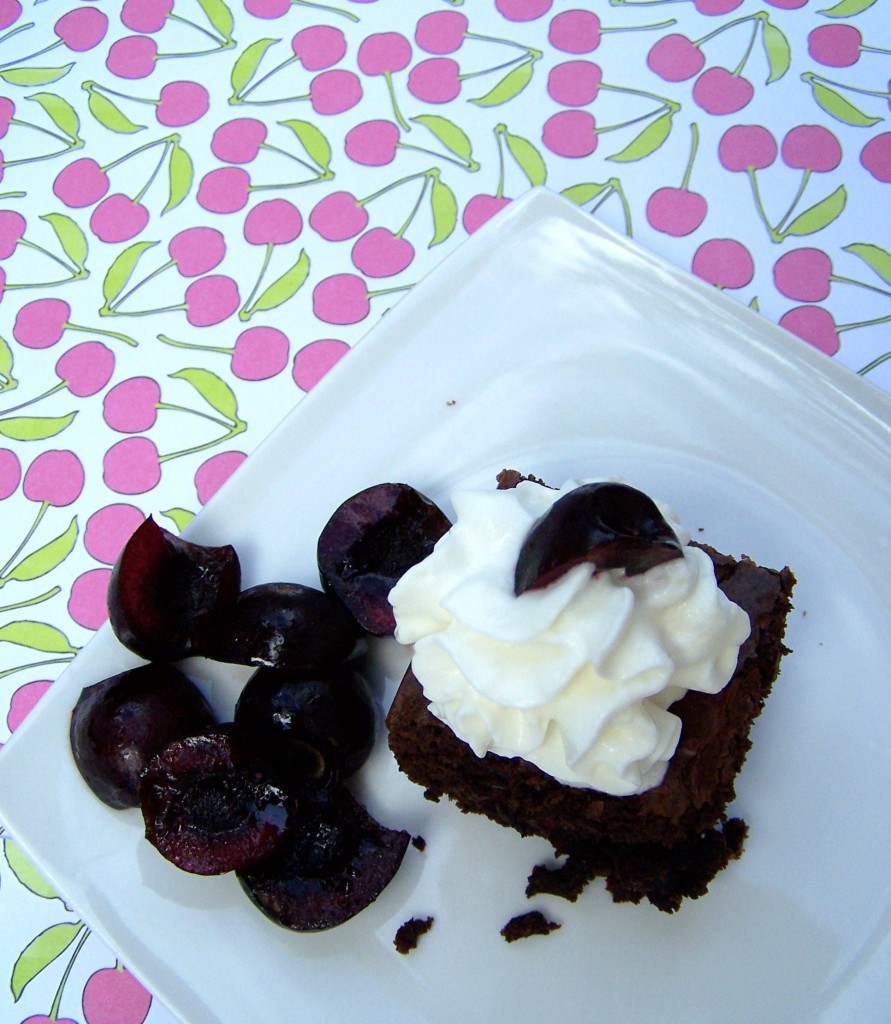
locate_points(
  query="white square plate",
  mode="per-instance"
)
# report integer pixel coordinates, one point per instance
(549, 344)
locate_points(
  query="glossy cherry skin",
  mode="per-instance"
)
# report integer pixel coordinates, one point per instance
(120, 723)
(609, 525)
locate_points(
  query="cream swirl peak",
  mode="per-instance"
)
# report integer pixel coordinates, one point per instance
(577, 677)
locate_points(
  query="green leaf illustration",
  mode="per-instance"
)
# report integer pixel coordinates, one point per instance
(317, 147)
(820, 215)
(847, 8)
(109, 115)
(26, 873)
(777, 50)
(586, 191)
(444, 208)
(648, 141)
(528, 158)
(179, 175)
(60, 112)
(39, 636)
(34, 428)
(284, 288)
(450, 135)
(71, 237)
(180, 517)
(840, 107)
(121, 269)
(40, 952)
(7, 381)
(513, 83)
(35, 76)
(244, 69)
(219, 15)
(45, 558)
(877, 259)
(215, 391)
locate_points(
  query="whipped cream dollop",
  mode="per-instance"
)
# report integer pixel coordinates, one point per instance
(577, 677)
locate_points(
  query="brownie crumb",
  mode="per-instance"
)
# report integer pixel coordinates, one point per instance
(533, 922)
(567, 881)
(407, 934)
(419, 843)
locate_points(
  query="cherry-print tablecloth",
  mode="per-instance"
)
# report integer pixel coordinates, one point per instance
(204, 204)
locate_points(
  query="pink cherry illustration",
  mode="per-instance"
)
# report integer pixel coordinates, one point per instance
(341, 299)
(55, 477)
(12, 229)
(814, 325)
(719, 91)
(836, 46)
(81, 183)
(260, 353)
(196, 251)
(333, 92)
(7, 112)
(109, 528)
(571, 133)
(132, 405)
(24, 700)
(182, 103)
(480, 209)
(338, 216)
(88, 599)
(41, 322)
(811, 147)
(746, 146)
(523, 10)
(675, 58)
(10, 473)
(803, 274)
(314, 360)
(372, 143)
(713, 7)
(211, 300)
(575, 31)
(40, 1018)
(82, 28)
(214, 472)
(382, 53)
(724, 262)
(267, 8)
(787, 5)
(319, 47)
(224, 190)
(132, 57)
(676, 211)
(10, 12)
(876, 157)
(574, 83)
(435, 80)
(131, 466)
(380, 253)
(238, 141)
(273, 222)
(86, 368)
(441, 32)
(118, 219)
(145, 15)
(113, 996)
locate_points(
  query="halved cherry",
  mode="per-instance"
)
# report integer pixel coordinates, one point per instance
(610, 525)
(166, 595)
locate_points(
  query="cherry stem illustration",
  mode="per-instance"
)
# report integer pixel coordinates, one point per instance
(173, 16)
(41, 512)
(860, 284)
(238, 427)
(759, 16)
(638, 28)
(32, 601)
(469, 164)
(243, 313)
(165, 141)
(864, 323)
(35, 664)
(31, 401)
(529, 57)
(694, 146)
(397, 113)
(430, 173)
(415, 208)
(31, 56)
(98, 330)
(171, 407)
(738, 70)
(325, 7)
(874, 364)
(112, 306)
(15, 31)
(811, 76)
(194, 345)
(57, 999)
(805, 178)
(499, 138)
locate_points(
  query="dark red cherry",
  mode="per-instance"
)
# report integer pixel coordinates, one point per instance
(210, 805)
(166, 594)
(370, 541)
(332, 712)
(610, 525)
(120, 723)
(335, 861)
(285, 625)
